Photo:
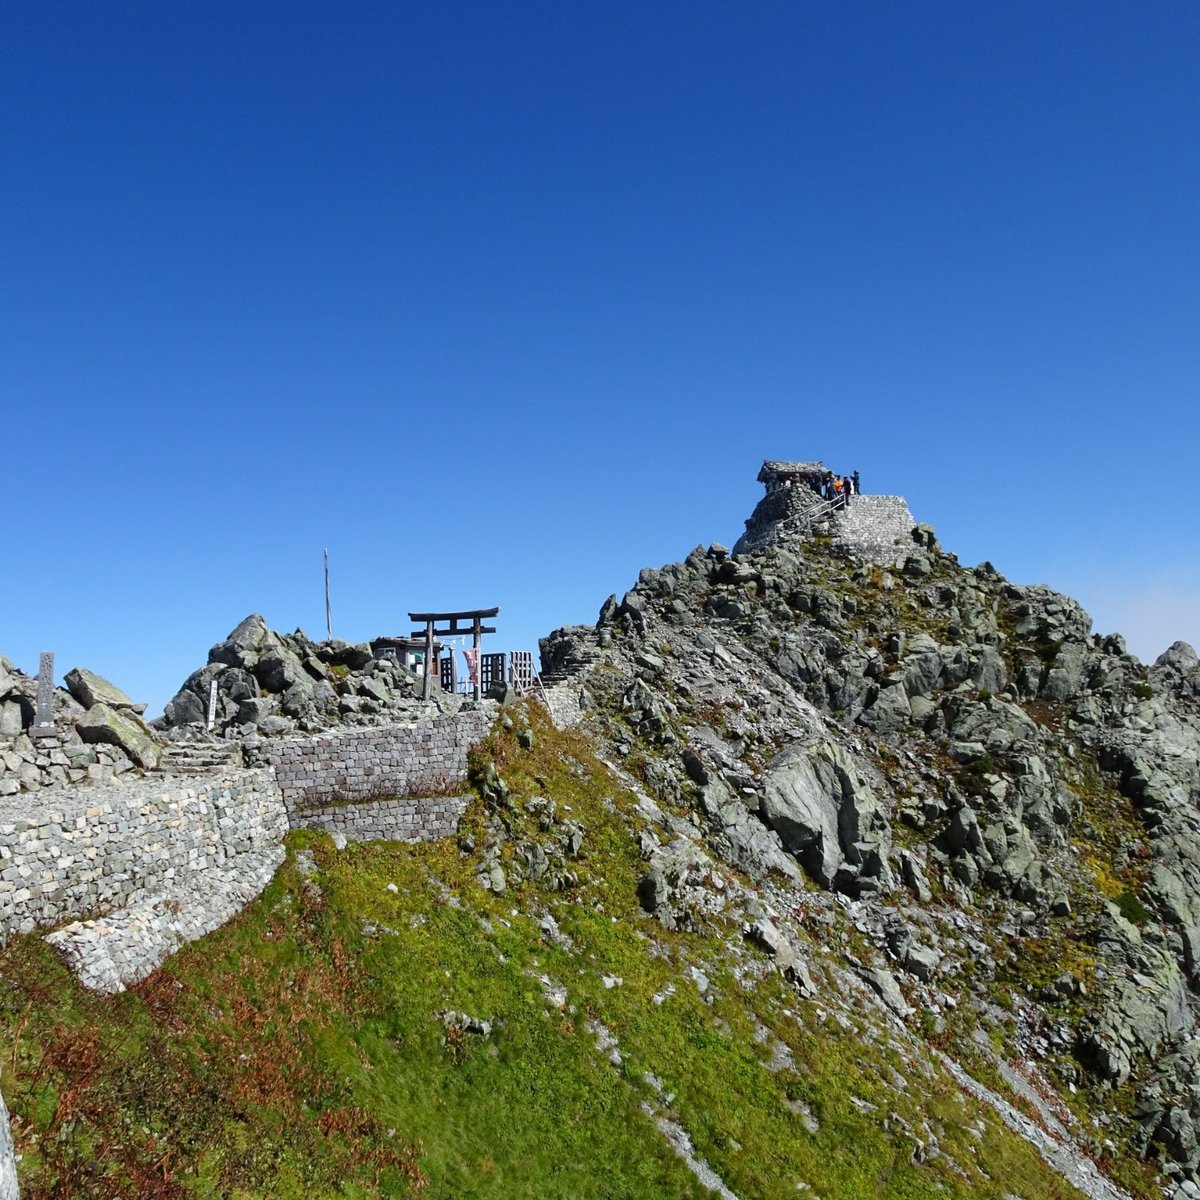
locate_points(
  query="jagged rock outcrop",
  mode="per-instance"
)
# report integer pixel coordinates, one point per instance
(1012, 800)
(272, 684)
(90, 689)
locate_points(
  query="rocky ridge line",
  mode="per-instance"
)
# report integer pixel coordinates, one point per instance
(1009, 801)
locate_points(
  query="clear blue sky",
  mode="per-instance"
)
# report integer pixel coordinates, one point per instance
(502, 302)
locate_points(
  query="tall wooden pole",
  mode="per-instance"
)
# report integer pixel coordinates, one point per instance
(328, 615)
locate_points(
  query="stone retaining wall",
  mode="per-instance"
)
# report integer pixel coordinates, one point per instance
(429, 757)
(68, 854)
(407, 820)
(141, 868)
(878, 528)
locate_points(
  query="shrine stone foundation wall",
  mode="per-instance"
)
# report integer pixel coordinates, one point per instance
(395, 782)
(423, 759)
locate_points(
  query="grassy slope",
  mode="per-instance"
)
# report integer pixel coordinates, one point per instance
(293, 1054)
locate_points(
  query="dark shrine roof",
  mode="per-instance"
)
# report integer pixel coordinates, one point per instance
(773, 469)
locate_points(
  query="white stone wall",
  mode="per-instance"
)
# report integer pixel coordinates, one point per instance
(878, 528)
(68, 854)
(8, 1163)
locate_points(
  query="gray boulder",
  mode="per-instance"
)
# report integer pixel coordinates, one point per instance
(355, 656)
(923, 962)
(246, 644)
(889, 712)
(1065, 679)
(237, 684)
(819, 803)
(1179, 657)
(922, 666)
(186, 708)
(253, 711)
(279, 669)
(883, 984)
(754, 849)
(988, 670)
(297, 700)
(123, 729)
(780, 948)
(89, 689)
(12, 720)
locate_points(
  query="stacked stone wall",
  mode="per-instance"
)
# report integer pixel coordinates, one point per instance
(320, 774)
(422, 819)
(878, 528)
(132, 872)
(66, 854)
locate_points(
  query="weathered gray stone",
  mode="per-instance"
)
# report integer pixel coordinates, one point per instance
(8, 1163)
(8, 677)
(185, 708)
(238, 684)
(11, 722)
(889, 712)
(988, 670)
(817, 800)
(278, 669)
(884, 984)
(1066, 675)
(923, 962)
(246, 644)
(89, 689)
(123, 729)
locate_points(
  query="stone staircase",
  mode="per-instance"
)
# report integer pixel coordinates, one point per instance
(573, 667)
(200, 757)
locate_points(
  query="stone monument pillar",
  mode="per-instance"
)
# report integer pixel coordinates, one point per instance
(43, 721)
(8, 1162)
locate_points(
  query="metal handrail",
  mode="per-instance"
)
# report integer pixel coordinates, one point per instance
(822, 510)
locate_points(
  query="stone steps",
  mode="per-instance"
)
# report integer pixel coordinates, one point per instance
(579, 663)
(199, 758)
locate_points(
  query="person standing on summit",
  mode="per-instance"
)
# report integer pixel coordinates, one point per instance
(854, 480)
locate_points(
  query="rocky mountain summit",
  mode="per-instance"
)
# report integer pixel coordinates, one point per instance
(998, 808)
(268, 684)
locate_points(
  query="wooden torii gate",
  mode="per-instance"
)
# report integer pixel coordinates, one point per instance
(476, 629)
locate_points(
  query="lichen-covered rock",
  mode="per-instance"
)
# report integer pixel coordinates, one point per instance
(89, 689)
(122, 729)
(818, 801)
(1038, 769)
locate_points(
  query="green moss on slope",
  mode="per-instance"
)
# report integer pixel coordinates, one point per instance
(312, 1048)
